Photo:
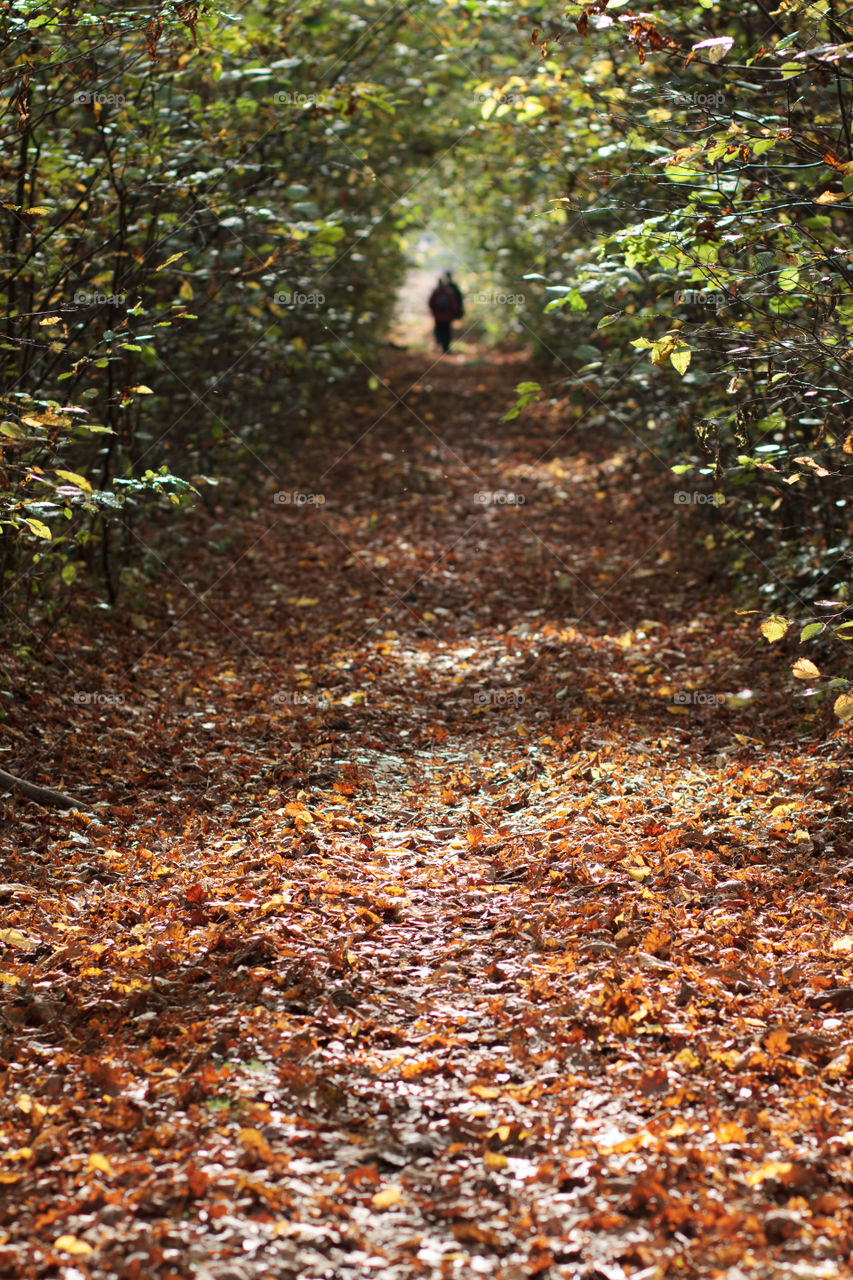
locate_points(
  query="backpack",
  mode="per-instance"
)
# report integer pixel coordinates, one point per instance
(445, 304)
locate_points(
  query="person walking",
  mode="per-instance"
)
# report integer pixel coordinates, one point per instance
(457, 293)
(446, 305)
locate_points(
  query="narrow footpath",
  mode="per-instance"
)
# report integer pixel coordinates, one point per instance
(461, 895)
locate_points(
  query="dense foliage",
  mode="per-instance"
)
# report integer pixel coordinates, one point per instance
(703, 235)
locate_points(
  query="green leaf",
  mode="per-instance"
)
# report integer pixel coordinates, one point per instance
(811, 629)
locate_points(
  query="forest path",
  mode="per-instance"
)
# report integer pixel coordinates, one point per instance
(462, 917)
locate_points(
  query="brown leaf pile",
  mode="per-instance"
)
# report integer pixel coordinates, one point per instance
(446, 907)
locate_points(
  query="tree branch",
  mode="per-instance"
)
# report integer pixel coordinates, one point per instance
(43, 795)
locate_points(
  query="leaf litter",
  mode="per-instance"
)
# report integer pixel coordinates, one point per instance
(461, 894)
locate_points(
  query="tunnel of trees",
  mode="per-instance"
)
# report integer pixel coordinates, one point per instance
(425, 818)
(206, 220)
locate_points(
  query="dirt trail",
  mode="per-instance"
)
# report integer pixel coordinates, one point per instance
(461, 917)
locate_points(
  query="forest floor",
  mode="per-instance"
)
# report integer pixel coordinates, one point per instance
(461, 896)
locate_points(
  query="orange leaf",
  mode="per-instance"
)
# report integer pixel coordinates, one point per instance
(253, 1141)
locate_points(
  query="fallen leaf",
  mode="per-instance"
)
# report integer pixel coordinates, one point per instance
(14, 938)
(254, 1142)
(70, 1244)
(387, 1197)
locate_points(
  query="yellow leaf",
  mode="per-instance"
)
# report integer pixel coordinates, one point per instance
(485, 1091)
(639, 873)
(14, 938)
(494, 1160)
(687, 1058)
(843, 706)
(303, 602)
(141, 389)
(169, 261)
(773, 628)
(50, 320)
(387, 1197)
(98, 1164)
(680, 359)
(70, 1244)
(38, 527)
(730, 1132)
(71, 477)
(39, 210)
(771, 1169)
(661, 350)
(805, 669)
